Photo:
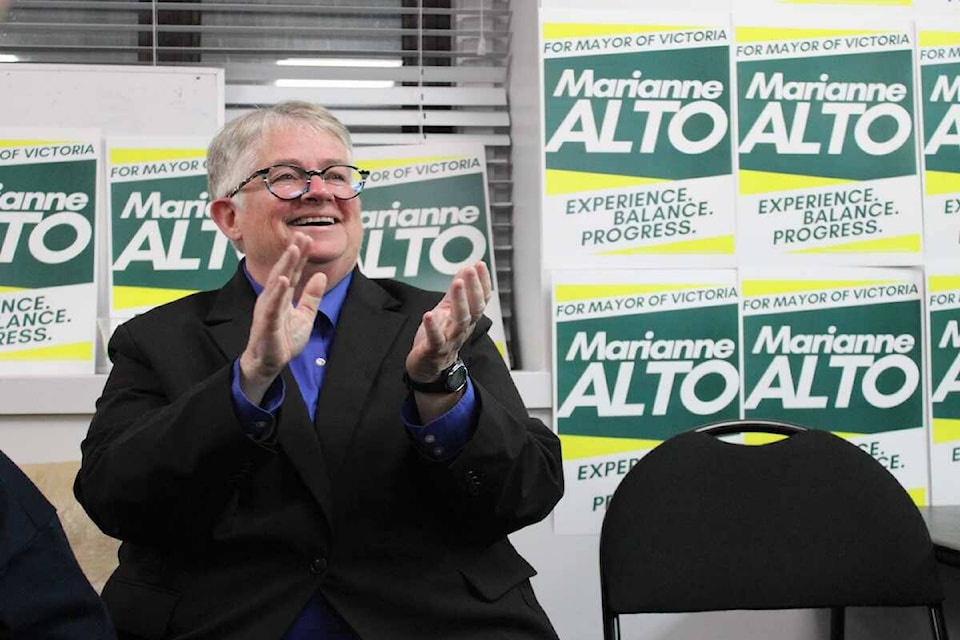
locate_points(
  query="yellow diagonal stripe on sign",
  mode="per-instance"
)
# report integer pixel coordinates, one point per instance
(945, 430)
(943, 283)
(773, 287)
(717, 245)
(403, 162)
(919, 496)
(578, 447)
(775, 34)
(560, 182)
(74, 351)
(847, 435)
(132, 297)
(939, 182)
(938, 38)
(29, 143)
(574, 292)
(557, 30)
(12, 289)
(754, 182)
(753, 438)
(909, 243)
(126, 156)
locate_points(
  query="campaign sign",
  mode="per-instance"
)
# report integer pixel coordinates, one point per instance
(840, 349)
(943, 317)
(637, 145)
(163, 244)
(425, 217)
(939, 63)
(639, 356)
(48, 212)
(828, 169)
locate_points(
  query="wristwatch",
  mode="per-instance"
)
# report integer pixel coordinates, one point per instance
(451, 379)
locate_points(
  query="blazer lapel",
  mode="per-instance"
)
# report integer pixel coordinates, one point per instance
(229, 319)
(229, 324)
(365, 333)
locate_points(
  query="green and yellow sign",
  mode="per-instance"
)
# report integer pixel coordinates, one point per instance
(938, 48)
(943, 316)
(163, 244)
(48, 291)
(425, 217)
(637, 156)
(639, 356)
(840, 350)
(826, 143)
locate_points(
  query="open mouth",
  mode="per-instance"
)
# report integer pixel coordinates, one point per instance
(316, 221)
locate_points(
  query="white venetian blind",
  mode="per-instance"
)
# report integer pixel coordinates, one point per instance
(394, 71)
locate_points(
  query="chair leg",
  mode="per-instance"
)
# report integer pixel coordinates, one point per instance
(938, 623)
(837, 622)
(611, 626)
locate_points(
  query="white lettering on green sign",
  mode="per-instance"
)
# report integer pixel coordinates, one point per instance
(947, 131)
(845, 102)
(660, 99)
(950, 382)
(22, 209)
(668, 361)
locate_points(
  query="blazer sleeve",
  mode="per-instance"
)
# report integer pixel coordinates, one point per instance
(164, 452)
(510, 473)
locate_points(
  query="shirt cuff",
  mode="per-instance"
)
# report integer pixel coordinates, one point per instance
(445, 436)
(258, 421)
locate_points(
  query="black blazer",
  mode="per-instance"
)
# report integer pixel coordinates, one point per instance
(43, 593)
(228, 538)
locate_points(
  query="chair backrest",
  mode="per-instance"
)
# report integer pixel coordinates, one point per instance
(809, 521)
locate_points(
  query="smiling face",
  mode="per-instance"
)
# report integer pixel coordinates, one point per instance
(262, 225)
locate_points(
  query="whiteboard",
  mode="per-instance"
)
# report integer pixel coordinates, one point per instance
(119, 100)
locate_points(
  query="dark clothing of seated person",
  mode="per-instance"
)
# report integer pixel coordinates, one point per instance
(43, 592)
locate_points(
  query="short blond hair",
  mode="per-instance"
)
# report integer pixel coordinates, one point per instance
(233, 151)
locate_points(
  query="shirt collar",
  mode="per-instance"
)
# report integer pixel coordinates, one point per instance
(330, 304)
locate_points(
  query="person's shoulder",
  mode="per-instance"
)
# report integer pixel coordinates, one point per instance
(12, 475)
(190, 306)
(23, 508)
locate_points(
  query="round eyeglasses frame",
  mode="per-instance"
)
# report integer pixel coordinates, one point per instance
(320, 173)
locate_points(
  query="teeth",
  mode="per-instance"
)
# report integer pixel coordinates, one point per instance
(321, 221)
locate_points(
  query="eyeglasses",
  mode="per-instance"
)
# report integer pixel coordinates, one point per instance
(289, 182)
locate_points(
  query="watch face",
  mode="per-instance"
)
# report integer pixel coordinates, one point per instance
(457, 377)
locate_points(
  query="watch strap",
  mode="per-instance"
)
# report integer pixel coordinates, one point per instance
(451, 379)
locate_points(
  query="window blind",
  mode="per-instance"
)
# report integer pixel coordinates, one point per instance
(394, 71)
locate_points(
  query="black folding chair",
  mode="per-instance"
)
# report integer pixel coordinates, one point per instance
(807, 521)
